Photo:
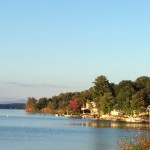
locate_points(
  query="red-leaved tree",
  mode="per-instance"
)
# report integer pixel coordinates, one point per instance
(73, 105)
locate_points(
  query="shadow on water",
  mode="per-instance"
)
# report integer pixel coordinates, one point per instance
(106, 134)
(111, 124)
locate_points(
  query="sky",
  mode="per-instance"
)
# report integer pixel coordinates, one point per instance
(48, 47)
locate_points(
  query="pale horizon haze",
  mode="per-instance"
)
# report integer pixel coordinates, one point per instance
(56, 46)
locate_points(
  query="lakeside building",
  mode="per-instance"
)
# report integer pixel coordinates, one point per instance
(90, 107)
(90, 110)
(116, 112)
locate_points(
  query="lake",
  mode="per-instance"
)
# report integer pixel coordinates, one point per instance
(21, 131)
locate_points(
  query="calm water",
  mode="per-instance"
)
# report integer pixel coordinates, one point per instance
(21, 131)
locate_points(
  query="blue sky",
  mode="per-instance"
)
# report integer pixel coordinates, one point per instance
(53, 46)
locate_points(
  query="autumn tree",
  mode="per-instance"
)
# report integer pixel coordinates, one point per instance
(74, 105)
(31, 104)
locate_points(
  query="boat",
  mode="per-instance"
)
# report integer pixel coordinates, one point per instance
(67, 115)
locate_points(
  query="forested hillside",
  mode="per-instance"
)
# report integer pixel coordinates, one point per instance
(127, 96)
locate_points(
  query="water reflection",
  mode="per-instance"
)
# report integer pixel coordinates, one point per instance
(23, 131)
(111, 124)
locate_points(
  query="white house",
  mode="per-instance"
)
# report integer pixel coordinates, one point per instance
(91, 106)
(116, 112)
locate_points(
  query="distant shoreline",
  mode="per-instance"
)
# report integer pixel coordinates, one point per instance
(13, 106)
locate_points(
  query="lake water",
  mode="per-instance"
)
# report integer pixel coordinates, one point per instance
(21, 131)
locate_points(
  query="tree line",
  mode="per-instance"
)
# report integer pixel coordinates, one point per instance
(12, 106)
(128, 96)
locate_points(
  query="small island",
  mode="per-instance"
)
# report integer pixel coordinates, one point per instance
(128, 101)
